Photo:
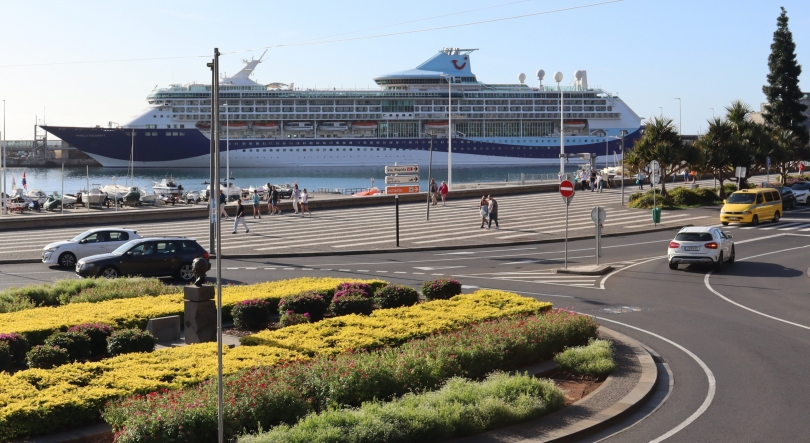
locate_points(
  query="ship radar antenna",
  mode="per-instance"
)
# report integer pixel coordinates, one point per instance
(521, 78)
(540, 74)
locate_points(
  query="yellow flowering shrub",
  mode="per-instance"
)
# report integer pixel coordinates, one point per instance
(78, 391)
(385, 327)
(38, 323)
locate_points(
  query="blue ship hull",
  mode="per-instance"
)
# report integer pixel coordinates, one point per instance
(168, 148)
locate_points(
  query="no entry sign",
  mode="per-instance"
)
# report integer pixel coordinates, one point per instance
(567, 189)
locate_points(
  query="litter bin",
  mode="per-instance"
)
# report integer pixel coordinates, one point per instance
(656, 213)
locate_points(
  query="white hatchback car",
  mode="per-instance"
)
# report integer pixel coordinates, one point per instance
(802, 191)
(66, 253)
(701, 244)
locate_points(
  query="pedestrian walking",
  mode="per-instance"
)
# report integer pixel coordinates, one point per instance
(305, 203)
(640, 181)
(685, 176)
(583, 179)
(257, 208)
(434, 189)
(694, 176)
(222, 202)
(443, 190)
(483, 208)
(593, 180)
(599, 181)
(493, 212)
(240, 216)
(274, 201)
(296, 197)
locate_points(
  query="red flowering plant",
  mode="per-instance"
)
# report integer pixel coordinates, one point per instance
(267, 397)
(251, 315)
(395, 296)
(441, 289)
(98, 333)
(314, 303)
(355, 288)
(17, 345)
(291, 318)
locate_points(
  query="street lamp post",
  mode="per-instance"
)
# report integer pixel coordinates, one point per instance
(3, 159)
(449, 130)
(661, 109)
(680, 117)
(558, 76)
(712, 113)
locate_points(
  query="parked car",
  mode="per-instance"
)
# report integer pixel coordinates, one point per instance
(801, 190)
(701, 244)
(146, 257)
(65, 253)
(788, 197)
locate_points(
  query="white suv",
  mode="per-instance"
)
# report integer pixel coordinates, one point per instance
(65, 253)
(801, 190)
(701, 244)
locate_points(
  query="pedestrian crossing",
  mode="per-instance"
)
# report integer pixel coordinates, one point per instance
(549, 277)
(524, 217)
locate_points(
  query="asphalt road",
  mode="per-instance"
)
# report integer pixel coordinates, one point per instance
(735, 341)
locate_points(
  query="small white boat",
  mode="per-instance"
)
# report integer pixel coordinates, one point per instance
(115, 192)
(95, 197)
(232, 191)
(168, 186)
(234, 126)
(192, 197)
(147, 198)
(333, 126)
(259, 190)
(67, 200)
(37, 194)
(298, 126)
(579, 124)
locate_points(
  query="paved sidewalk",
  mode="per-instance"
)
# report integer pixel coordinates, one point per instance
(523, 218)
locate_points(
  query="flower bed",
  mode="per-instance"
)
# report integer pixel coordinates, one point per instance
(265, 397)
(39, 323)
(34, 401)
(388, 327)
(460, 408)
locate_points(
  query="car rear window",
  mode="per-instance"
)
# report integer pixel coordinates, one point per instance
(188, 246)
(800, 186)
(694, 236)
(119, 236)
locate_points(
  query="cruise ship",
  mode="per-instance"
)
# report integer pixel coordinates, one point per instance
(280, 125)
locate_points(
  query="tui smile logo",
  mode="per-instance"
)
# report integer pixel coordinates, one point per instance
(455, 64)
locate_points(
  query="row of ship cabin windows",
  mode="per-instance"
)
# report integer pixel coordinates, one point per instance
(494, 148)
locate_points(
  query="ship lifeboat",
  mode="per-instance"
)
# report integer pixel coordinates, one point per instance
(575, 123)
(204, 126)
(266, 126)
(333, 126)
(234, 126)
(436, 124)
(364, 126)
(298, 126)
(369, 191)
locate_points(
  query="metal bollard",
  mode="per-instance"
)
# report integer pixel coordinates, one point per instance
(396, 204)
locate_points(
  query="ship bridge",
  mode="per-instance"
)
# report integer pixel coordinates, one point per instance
(449, 63)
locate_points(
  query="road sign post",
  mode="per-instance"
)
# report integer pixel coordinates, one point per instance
(598, 215)
(400, 179)
(404, 169)
(567, 192)
(397, 190)
(394, 190)
(396, 204)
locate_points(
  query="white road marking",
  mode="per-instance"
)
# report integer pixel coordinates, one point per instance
(710, 288)
(602, 283)
(437, 268)
(383, 272)
(709, 376)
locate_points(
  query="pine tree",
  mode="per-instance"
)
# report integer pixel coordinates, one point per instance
(782, 91)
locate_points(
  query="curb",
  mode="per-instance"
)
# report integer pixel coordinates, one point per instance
(644, 388)
(399, 250)
(585, 270)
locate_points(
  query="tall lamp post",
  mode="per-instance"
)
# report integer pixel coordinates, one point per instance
(449, 131)
(712, 113)
(680, 117)
(558, 76)
(3, 158)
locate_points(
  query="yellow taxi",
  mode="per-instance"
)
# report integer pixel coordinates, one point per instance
(752, 206)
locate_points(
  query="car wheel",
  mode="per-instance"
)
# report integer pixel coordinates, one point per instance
(718, 265)
(733, 256)
(776, 217)
(109, 272)
(725, 223)
(673, 265)
(67, 260)
(185, 272)
(793, 205)
(755, 221)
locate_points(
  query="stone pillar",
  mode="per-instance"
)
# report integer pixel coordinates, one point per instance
(200, 314)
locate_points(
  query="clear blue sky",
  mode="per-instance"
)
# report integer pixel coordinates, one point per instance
(708, 53)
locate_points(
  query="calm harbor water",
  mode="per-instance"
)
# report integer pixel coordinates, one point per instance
(50, 179)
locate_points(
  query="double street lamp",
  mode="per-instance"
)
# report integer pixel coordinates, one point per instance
(558, 76)
(449, 131)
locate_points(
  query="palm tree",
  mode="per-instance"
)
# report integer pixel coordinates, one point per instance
(662, 143)
(715, 147)
(751, 140)
(784, 151)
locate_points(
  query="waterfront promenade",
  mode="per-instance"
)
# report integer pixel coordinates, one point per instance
(345, 227)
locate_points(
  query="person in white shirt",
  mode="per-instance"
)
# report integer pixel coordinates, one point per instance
(296, 197)
(599, 181)
(305, 203)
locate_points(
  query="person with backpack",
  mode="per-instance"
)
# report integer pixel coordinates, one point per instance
(640, 180)
(493, 212)
(483, 208)
(434, 189)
